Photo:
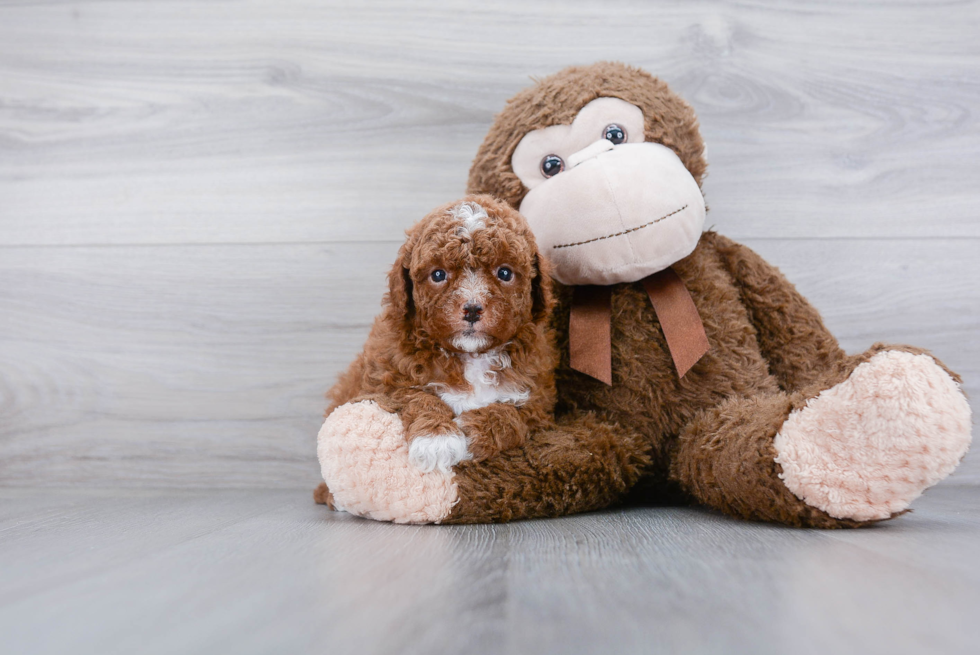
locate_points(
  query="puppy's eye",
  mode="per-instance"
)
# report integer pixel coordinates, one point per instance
(438, 275)
(552, 165)
(614, 133)
(505, 274)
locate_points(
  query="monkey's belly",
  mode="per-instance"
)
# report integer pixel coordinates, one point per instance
(646, 394)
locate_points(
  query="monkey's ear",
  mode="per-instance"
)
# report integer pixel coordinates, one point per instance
(400, 306)
(541, 290)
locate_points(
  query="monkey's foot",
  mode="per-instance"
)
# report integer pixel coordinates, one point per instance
(364, 459)
(867, 447)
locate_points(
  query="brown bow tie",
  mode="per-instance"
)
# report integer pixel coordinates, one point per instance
(591, 317)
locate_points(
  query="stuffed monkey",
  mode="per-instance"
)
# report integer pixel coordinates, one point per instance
(690, 367)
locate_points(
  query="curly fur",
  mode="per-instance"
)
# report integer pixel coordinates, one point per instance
(413, 362)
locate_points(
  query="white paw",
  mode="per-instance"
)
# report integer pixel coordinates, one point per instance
(441, 452)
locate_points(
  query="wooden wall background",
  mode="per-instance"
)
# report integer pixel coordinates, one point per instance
(199, 200)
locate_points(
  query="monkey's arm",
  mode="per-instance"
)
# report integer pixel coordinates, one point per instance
(798, 346)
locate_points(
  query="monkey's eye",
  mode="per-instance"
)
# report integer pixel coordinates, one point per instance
(552, 165)
(505, 274)
(614, 133)
(438, 275)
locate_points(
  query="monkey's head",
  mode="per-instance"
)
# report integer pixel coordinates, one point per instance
(605, 162)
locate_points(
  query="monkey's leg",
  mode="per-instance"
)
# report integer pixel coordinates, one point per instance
(855, 452)
(580, 465)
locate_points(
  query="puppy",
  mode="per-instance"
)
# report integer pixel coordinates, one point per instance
(462, 350)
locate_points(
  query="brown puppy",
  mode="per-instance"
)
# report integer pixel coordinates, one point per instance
(462, 350)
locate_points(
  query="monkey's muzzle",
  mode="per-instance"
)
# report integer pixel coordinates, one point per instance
(618, 214)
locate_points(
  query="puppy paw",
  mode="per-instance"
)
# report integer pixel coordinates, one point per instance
(443, 451)
(491, 430)
(322, 496)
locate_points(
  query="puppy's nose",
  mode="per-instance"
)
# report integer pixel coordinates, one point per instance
(471, 312)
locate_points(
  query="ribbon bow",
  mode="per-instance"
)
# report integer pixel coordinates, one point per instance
(591, 317)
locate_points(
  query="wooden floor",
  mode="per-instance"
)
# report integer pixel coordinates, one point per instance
(269, 572)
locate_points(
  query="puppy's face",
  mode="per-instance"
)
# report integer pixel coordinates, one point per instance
(474, 276)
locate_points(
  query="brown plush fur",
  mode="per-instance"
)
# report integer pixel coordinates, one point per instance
(709, 434)
(412, 351)
(579, 465)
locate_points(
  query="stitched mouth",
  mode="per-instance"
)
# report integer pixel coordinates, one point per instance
(624, 232)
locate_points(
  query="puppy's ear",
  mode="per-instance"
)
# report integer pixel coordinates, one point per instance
(541, 290)
(400, 306)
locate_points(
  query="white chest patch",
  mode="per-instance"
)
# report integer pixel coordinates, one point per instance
(480, 370)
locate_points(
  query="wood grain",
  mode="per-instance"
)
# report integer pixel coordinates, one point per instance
(235, 122)
(109, 571)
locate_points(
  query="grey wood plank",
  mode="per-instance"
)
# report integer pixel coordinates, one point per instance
(206, 365)
(320, 121)
(274, 573)
(209, 359)
(944, 527)
(709, 584)
(150, 521)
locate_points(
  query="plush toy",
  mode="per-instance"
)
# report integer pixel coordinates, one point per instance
(689, 366)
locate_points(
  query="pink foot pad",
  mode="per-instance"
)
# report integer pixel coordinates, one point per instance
(364, 461)
(867, 447)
